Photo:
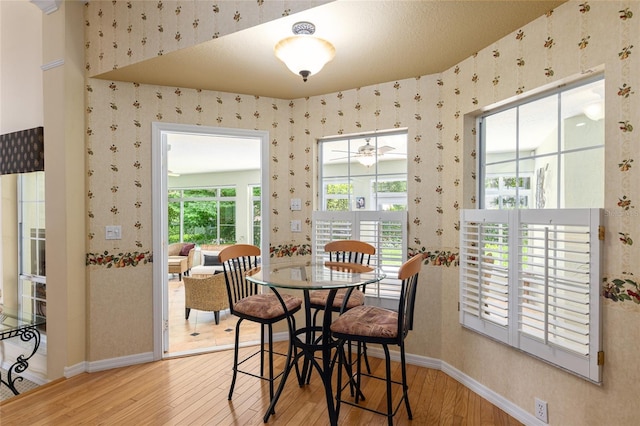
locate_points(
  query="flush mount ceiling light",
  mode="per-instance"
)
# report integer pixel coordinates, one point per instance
(303, 53)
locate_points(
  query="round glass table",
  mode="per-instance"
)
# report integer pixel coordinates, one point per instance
(309, 339)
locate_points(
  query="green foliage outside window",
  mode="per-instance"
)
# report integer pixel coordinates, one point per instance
(392, 186)
(338, 204)
(200, 216)
(256, 191)
(339, 188)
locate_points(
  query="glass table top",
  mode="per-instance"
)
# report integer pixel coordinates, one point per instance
(11, 319)
(314, 276)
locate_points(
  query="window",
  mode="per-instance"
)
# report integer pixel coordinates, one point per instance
(364, 172)
(256, 218)
(546, 152)
(363, 181)
(386, 231)
(32, 282)
(530, 258)
(203, 216)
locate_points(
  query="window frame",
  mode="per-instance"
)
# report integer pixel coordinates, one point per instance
(559, 154)
(520, 299)
(31, 284)
(376, 175)
(217, 199)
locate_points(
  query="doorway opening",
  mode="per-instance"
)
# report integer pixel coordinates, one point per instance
(210, 188)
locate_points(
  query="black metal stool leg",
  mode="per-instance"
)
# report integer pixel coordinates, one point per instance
(235, 359)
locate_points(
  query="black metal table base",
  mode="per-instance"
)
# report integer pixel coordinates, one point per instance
(306, 345)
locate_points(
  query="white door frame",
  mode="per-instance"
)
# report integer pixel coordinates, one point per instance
(159, 132)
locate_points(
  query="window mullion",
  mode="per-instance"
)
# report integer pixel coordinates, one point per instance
(515, 265)
(559, 191)
(517, 159)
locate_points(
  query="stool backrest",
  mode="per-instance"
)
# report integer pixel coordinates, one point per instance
(408, 273)
(351, 251)
(236, 261)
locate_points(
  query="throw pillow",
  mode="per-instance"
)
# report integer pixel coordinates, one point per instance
(186, 249)
(212, 260)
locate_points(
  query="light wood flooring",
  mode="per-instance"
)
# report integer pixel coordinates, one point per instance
(193, 391)
(200, 332)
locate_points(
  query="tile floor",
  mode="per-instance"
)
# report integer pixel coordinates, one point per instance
(200, 331)
(22, 386)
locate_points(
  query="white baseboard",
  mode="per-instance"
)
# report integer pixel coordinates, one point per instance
(74, 370)
(107, 364)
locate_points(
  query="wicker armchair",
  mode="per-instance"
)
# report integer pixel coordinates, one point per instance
(206, 294)
(179, 262)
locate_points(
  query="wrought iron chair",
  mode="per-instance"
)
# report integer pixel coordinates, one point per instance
(372, 324)
(349, 251)
(247, 303)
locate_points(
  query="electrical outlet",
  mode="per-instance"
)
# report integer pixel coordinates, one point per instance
(541, 411)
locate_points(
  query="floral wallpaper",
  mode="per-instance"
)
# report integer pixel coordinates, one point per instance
(121, 33)
(574, 40)
(432, 108)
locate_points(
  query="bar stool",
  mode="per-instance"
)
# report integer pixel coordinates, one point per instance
(372, 324)
(348, 251)
(247, 303)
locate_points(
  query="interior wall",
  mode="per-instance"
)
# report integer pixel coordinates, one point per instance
(561, 46)
(64, 109)
(20, 61)
(435, 109)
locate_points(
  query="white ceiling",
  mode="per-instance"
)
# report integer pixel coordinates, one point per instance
(375, 42)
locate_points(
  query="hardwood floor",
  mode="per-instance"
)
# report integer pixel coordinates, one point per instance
(193, 391)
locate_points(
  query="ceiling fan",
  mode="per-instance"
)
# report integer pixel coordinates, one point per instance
(366, 154)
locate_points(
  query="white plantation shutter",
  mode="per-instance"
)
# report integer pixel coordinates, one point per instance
(385, 230)
(546, 300)
(484, 271)
(559, 287)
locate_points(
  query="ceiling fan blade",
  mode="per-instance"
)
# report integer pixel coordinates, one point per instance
(341, 150)
(384, 149)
